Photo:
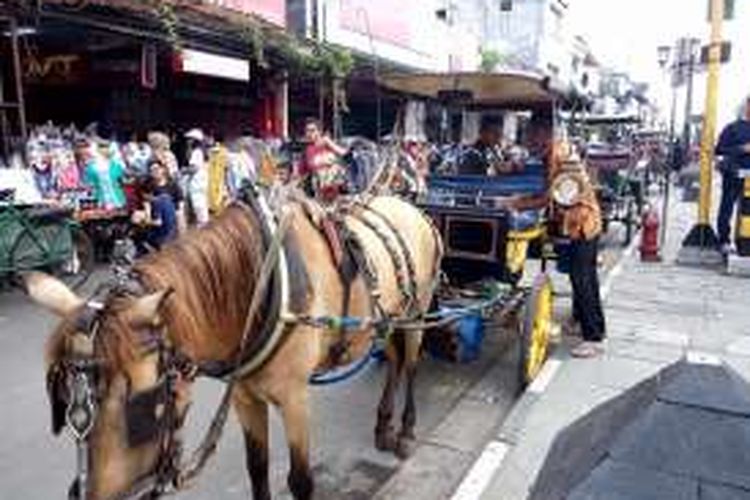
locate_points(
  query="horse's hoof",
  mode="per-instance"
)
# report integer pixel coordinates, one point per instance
(405, 447)
(386, 441)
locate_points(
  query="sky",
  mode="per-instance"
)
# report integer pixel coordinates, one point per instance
(625, 34)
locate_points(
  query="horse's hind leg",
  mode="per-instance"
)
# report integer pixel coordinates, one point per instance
(253, 416)
(294, 411)
(385, 436)
(406, 437)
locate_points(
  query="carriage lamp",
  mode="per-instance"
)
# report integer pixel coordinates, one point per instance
(80, 414)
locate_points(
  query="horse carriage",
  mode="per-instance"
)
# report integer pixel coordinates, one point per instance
(493, 220)
(37, 236)
(617, 169)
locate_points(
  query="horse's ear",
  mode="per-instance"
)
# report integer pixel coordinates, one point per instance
(51, 293)
(145, 310)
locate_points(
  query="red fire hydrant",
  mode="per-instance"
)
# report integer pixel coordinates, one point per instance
(650, 236)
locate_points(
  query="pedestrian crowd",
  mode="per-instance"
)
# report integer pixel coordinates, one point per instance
(142, 176)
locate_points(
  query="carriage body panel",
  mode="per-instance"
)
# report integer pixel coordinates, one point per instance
(484, 224)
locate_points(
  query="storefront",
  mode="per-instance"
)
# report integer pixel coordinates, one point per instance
(117, 65)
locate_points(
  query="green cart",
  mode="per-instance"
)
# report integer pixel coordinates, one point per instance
(42, 237)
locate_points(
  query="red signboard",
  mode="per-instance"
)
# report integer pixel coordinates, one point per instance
(271, 10)
(386, 20)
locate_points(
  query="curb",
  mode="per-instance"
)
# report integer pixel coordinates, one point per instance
(493, 456)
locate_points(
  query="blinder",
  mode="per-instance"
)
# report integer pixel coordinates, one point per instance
(57, 392)
(145, 414)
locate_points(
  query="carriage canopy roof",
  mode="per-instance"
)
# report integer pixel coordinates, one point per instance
(513, 89)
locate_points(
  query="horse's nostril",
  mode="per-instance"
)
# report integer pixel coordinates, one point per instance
(74, 492)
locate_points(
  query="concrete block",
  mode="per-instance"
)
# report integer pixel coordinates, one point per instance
(738, 266)
(694, 256)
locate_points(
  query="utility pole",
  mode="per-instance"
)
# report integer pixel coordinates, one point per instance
(701, 245)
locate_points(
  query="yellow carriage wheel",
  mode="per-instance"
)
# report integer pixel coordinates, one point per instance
(536, 328)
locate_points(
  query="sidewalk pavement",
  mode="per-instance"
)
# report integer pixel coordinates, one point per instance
(657, 314)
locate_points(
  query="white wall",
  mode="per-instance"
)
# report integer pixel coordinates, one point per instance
(415, 36)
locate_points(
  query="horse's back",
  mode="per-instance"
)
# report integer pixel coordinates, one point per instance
(414, 234)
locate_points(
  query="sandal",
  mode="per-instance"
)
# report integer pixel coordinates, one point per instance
(587, 350)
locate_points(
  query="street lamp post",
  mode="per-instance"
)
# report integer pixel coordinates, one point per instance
(664, 53)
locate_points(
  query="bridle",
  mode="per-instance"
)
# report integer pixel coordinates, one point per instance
(151, 415)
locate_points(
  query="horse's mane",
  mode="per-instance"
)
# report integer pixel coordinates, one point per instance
(212, 272)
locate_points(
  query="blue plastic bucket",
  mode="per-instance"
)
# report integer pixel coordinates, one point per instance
(466, 336)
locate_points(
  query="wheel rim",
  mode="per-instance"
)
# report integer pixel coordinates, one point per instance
(541, 326)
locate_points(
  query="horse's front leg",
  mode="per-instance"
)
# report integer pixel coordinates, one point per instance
(253, 416)
(294, 410)
(406, 437)
(385, 435)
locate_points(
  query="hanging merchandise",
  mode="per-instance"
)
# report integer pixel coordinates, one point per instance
(217, 173)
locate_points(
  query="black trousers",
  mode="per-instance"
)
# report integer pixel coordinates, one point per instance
(731, 191)
(584, 277)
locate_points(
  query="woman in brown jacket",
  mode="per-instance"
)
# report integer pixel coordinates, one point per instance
(582, 224)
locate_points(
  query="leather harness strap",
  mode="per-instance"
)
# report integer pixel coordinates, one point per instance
(399, 253)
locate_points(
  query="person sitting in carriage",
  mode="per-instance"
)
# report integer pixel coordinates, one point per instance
(489, 156)
(485, 153)
(321, 170)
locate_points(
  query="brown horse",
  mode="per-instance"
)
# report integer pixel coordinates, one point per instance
(194, 297)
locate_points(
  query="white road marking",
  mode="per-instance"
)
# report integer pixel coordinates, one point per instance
(702, 358)
(545, 376)
(481, 473)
